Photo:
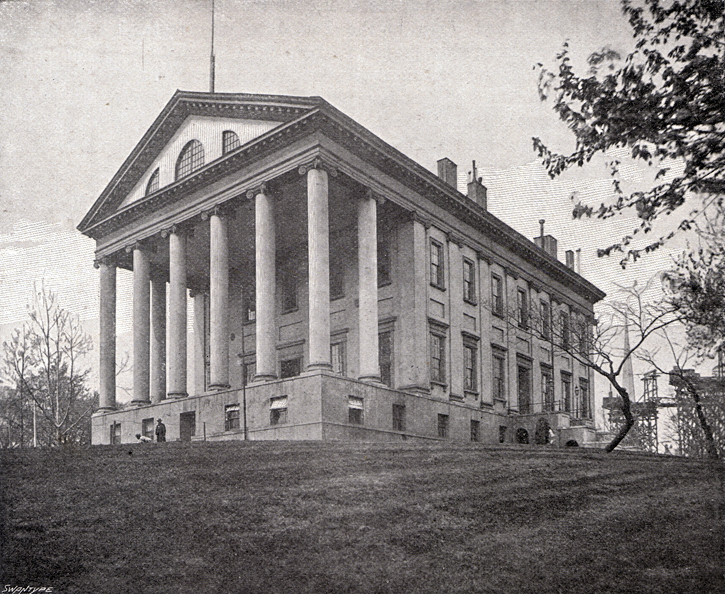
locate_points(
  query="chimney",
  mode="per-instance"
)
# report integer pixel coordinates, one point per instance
(570, 259)
(476, 190)
(546, 242)
(579, 261)
(448, 171)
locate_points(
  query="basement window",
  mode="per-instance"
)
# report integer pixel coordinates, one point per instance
(147, 428)
(278, 410)
(231, 417)
(355, 410)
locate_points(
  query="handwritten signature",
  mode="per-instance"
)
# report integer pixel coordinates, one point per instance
(25, 590)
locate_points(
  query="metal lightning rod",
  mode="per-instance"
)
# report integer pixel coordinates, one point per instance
(211, 65)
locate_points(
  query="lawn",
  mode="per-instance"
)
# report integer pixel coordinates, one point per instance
(367, 518)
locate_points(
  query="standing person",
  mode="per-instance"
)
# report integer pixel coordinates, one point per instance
(160, 432)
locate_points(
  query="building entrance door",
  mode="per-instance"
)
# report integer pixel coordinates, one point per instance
(187, 425)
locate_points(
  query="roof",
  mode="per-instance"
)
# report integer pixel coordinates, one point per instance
(298, 116)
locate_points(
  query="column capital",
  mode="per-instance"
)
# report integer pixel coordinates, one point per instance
(218, 210)
(178, 229)
(105, 261)
(317, 163)
(371, 195)
(419, 218)
(453, 238)
(483, 256)
(262, 188)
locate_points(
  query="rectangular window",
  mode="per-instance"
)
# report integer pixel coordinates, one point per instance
(583, 398)
(231, 417)
(565, 338)
(290, 368)
(566, 390)
(581, 335)
(115, 433)
(288, 287)
(385, 357)
(337, 357)
(524, 386)
(355, 410)
(523, 309)
(496, 295)
(502, 433)
(398, 417)
(337, 276)
(547, 388)
(442, 425)
(147, 428)
(545, 320)
(249, 370)
(499, 376)
(384, 266)
(250, 305)
(475, 430)
(438, 358)
(470, 381)
(437, 268)
(469, 281)
(278, 410)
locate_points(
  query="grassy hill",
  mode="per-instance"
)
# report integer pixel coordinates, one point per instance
(368, 518)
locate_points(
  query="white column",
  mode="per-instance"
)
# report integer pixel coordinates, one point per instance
(176, 349)
(367, 253)
(158, 339)
(265, 280)
(199, 367)
(318, 238)
(107, 342)
(219, 301)
(141, 326)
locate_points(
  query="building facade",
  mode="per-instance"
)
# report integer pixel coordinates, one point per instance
(295, 277)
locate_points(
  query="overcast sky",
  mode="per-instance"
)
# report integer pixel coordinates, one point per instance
(82, 80)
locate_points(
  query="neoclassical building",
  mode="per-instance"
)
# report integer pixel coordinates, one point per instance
(295, 277)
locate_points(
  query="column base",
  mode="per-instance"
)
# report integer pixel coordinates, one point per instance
(104, 410)
(140, 402)
(264, 377)
(219, 387)
(319, 367)
(370, 379)
(173, 395)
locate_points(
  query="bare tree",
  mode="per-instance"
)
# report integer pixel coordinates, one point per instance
(43, 360)
(606, 344)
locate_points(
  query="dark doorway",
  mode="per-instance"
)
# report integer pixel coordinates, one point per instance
(187, 425)
(522, 436)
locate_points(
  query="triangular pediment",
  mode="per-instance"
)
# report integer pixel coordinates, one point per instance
(193, 116)
(209, 132)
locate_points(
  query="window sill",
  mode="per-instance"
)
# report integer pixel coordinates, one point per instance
(471, 394)
(470, 302)
(292, 310)
(439, 384)
(439, 287)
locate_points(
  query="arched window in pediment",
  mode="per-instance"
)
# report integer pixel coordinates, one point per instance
(153, 184)
(230, 141)
(190, 159)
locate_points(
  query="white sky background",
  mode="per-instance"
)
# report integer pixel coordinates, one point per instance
(82, 80)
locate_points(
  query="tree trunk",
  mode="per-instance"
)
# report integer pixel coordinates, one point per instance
(629, 419)
(710, 446)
